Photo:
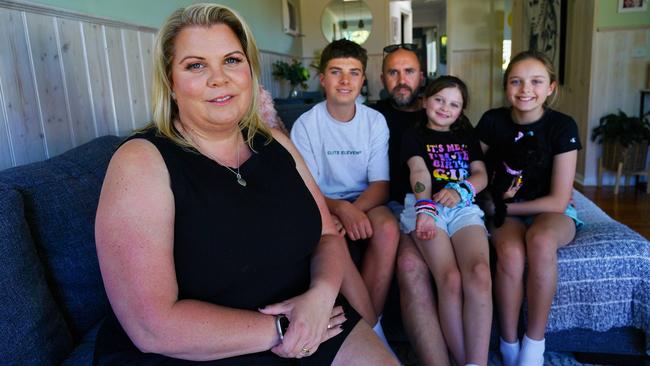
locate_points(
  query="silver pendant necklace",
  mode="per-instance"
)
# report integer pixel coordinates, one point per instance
(240, 180)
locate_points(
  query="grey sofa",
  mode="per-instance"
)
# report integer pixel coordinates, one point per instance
(52, 295)
(54, 299)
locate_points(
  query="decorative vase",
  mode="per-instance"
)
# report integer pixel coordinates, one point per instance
(293, 93)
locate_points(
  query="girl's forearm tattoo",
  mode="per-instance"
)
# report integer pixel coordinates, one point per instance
(419, 187)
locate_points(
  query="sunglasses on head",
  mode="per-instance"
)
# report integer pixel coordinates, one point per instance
(394, 47)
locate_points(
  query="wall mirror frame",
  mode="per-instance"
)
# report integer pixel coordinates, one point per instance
(349, 19)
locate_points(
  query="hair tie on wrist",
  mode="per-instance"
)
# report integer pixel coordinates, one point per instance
(465, 190)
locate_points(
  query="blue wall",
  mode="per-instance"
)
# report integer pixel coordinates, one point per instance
(263, 16)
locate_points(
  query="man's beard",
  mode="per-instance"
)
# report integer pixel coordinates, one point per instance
(403, 100)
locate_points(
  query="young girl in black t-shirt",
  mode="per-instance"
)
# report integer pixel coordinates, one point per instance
(538, 218)
(446, 171)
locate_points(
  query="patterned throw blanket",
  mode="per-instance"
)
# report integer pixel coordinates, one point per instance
(604, 276)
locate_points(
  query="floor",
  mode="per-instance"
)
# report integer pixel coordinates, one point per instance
(631, 206)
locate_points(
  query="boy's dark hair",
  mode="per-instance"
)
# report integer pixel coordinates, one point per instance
(462, 126)
(343, 48)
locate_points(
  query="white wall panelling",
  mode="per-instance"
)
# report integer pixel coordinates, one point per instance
(23, 133)
(67, 78)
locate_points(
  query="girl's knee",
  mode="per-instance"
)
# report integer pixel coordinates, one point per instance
(478, 278)
(450, 282)
(541, 249)
(511, 263)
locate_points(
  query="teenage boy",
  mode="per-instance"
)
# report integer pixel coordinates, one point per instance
(345, 146)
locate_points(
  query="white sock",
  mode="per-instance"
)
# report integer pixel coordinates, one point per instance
(380, 333)
(509, 352)
(532, 352)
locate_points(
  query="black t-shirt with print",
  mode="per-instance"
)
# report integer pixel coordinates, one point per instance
(556, 133)
(398, 122)
(446, 155)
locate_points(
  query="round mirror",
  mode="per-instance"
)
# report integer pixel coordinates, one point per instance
(349, 19)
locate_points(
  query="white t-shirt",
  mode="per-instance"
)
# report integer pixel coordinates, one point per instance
(343, 157)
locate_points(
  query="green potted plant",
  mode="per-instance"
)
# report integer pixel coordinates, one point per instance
(625, 142)
(293, 72)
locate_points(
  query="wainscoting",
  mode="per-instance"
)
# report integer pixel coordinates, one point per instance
(66, 78)
(473, 67)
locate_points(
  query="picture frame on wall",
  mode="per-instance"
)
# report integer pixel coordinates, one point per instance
(290, 18)
(626, 6)
(545, 27)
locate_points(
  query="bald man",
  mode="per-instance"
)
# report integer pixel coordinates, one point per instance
(402, 77)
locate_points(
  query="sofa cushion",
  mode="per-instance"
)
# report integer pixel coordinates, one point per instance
(32, 329)
(84, 353)
(61, 196)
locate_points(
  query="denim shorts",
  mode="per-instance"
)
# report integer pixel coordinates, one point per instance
(570, 211)
(450, 220)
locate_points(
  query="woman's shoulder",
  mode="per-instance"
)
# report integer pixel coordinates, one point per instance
(138, 149)
(147, 149)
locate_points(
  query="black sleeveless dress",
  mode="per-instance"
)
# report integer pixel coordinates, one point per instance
(240, 247)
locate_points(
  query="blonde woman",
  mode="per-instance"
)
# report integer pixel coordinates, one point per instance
(213, 240)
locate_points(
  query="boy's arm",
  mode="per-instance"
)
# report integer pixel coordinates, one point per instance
(354, 220)
(375, 195)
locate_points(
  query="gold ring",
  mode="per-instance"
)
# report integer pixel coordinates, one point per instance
(305, 350)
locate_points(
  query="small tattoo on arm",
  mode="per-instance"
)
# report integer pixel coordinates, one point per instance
(419, 187)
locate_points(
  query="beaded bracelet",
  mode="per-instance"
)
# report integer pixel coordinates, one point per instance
(469, 187)
(426, 207)
(428, 213)
(424, 202)
(466, 193)
(463, 194)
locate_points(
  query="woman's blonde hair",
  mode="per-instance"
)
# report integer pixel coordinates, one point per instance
(164, 108)
(548, 65)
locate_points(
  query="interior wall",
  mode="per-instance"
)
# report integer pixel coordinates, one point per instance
(575, 93)
(432, 15)
(65, 80)
(609, 17)
(474, 47)
(619, 73)
(263, 16)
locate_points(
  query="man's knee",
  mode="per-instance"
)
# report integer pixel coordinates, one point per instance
(411, 266)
